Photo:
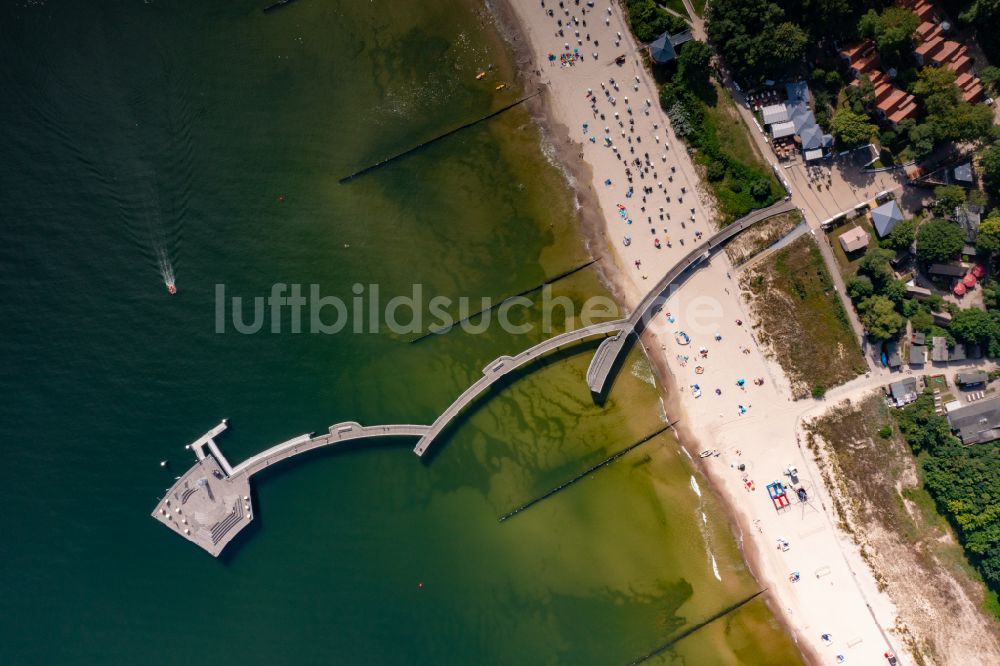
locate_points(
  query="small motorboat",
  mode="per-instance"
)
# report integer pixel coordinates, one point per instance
(627, 241)
(480, 75)
(500, 87)
(708, 453)
(171, 288)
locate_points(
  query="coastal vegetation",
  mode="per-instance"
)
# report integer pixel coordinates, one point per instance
(703, 114)
(875, 485)
(756, 239)
(964, 482)
(756, 39)
(801, 320)
(648, 20)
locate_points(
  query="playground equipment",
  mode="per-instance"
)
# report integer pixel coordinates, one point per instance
(778, 495)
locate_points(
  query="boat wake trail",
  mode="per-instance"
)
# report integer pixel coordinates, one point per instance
(167, 271)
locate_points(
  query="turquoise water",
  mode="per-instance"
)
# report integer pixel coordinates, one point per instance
(216, 135)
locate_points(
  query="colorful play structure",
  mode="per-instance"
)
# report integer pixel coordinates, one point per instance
(778, 496)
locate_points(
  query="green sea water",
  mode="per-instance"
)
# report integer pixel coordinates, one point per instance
(215, 135)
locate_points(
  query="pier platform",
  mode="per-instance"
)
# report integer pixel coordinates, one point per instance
(207, 507)
(211, 502)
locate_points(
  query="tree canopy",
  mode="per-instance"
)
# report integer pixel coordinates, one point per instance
(984, 16)
(892, 31)
(860, 287)
(850, 128)
(989, 162)
(964, 482)
(947, 198)
(988, 239)
(939, 240)
(875, 265)
(879, 316)
(901, 236)
(947, 116)
(693, 67)
(975, 326)
(754, 37)
(649, 21)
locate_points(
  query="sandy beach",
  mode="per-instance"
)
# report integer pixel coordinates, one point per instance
(727, 396)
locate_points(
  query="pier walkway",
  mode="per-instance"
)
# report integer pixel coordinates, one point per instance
(210, 503)
(608, 352)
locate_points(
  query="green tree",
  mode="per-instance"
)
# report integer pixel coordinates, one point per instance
(984, 16)
(901, 236)
(862, 94)
(947, 115)
(826, 17)
(649, 21)
(850, 128)
(970, 123)
(788, 44)
(875, 264)
(991, 77)
(989, 163)
(879, 316)
(693, 67)
(922, 139)
(947, 198)
(939, 240)
(922, 320)
(745, 31)
(760, 189)
(974, 326)
(859, 287)
(892, 31)
(894, 290)
(988, 239)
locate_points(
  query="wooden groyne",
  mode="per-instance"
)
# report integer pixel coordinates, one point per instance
(566, 484)
(445, 329)
(409, 151)
(277, 5)
(693, 628)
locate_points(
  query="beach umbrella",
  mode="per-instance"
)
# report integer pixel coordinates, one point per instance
(969, 280)
(740, 382)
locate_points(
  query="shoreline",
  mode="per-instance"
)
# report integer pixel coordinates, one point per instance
(578, 173)
(782, 419)
(580, 180)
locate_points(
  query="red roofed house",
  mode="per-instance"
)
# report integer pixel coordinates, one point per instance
(892, 104)
(935, 50)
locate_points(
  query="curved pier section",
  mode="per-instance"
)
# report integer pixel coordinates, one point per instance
(211, 502)
(506, 364)
(608, 352)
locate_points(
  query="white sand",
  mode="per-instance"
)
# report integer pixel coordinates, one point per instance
(835, 587)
